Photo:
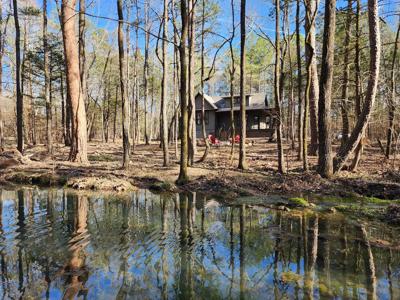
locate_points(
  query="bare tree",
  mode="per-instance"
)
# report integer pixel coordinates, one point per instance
(47, 82)
(164, 95)
(3, 28)
(183, 172)
(375, 54)
(124, 100)
(146, 70)
(281, 158)
(300, 120)
(312, 88)
(78, 151)
(202, 79)
(242, 148)
(346, 75)
(192, 104)
(20, 101)
(392, 99)
(325, 165)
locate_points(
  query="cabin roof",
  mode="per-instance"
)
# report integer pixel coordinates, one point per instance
(218, 102)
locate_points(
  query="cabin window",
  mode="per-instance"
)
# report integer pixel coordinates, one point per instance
(256, 123)
(199, 119)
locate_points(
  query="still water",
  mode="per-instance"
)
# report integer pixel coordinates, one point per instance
(55, 244)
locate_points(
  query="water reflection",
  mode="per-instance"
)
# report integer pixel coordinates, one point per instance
(60, 245)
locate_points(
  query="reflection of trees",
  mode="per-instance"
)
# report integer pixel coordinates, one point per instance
(75, 270)
(162, 247)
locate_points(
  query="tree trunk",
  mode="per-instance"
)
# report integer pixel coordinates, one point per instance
(374, 45)
(115, 115)
(242, 149)
(281, 158)
(314, 87)
(2, 142)
(164, 96)
(392, 99)
(62, 107)
(124, 100)
(192, 104)
(47, 82)
(78, 151)
(82, 53)
(203, 113)
(346, 74)
(325, 166)
(20, 103)
(183, 172)
(300, 121)
(146, 70)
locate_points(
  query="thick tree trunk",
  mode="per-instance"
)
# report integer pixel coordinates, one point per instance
(312, 88)
(325, 165)
(242, 147)
(281, 158)
(20, 103)
(82, 53)
(346, 75)
(47, 79)
(164, 96)
(392, 99)
(78, 151)
(374, 45)
(124, 100)
(183, 172)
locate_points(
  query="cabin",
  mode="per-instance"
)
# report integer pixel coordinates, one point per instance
(260, 117)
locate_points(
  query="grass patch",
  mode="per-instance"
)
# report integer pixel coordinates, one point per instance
(297, 201)
(101, 157)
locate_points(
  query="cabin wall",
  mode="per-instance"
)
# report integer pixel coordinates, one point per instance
(210, 124)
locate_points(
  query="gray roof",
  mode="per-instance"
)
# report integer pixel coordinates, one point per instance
(257, 101)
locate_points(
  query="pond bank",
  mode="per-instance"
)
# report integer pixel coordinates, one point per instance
(216, 177)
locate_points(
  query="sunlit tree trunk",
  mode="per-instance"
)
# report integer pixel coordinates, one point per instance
(183, 172)
(346, 74)
(192, 105)
(146, 71)
(2, 142)
(392, 99)
(300, 120)
(281, 158)
(20, 104)
(325, 165)
(124, 99)
(314, 89)
(242, 147)
(374, 47)
(47, 82)
(78, 151)
(82, 53)
(203, 113)
(165, 82)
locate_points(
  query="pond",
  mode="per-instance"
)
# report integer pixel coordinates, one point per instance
(58, 244)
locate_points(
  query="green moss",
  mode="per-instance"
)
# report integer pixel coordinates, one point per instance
(101, 157)
(290, 277)
(163, 186)
(297, 201)
(360, 211)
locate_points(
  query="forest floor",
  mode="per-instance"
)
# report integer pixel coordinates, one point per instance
(217, 175)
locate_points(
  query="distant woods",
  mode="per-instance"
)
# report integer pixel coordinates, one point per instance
(130, 70)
